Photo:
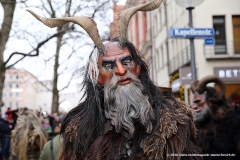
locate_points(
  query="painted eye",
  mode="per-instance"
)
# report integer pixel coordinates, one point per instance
(109, 65)
(127, 61)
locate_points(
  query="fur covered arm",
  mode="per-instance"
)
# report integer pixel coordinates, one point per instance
(185, 138)
(68, 132)
(176, 136)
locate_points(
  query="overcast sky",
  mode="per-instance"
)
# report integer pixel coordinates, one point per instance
(34, 65)
(26, 64)
(122, 2)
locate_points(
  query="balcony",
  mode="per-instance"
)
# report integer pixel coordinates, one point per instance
(179, 60)
(223, 50)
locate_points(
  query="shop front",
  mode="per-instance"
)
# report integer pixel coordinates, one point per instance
(231, 77)
(180, 84)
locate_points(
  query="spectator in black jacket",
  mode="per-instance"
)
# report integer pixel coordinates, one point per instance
(6, 128)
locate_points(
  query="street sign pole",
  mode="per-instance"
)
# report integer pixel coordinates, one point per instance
(191, 34)
(193, 64)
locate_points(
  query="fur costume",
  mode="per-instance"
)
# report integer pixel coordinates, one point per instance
(28, 137)
(175, 134)
(155, 128)
(221, 139)
(218, 127)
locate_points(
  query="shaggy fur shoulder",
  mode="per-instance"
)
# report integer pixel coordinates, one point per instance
(69, 133)
(175, 138)
(227, 139)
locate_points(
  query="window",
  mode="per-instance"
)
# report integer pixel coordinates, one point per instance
(16, 76)
(17, 94)
(10, 94)
(10, 85)
(10, 104)
(220, 35)
(17, 104)
(16, 85)
(236, 33)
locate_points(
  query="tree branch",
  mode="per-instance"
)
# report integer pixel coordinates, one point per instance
(98, 8)
(45, 8)
(29, 53)
(7, 2)
(69, 4)
(68, 83)
(45, 86)
(53, 15)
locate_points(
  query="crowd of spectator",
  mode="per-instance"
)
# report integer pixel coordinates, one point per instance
(49, 123)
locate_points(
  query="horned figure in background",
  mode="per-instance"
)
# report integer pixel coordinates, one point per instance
(208, 99)
(124, 114)
(217, 122)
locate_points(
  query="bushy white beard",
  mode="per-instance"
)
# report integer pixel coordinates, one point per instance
(201, 116)
(126, 104)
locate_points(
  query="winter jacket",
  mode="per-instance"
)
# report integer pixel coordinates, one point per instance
(5, 128)
(55, 150)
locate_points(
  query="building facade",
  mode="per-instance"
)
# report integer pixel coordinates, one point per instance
(140, 33)
(22, 89)
(222, 59)
(171, 56)
(44, 96)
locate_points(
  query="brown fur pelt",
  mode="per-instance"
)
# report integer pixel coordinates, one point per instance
(176, 135)
(33, 146)
(28, 137)
(69, 136)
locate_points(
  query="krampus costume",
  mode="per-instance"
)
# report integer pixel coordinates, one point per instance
(28, 137)
(124, 115)
(217, 122)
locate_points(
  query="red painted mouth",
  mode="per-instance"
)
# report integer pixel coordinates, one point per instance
(124, 81)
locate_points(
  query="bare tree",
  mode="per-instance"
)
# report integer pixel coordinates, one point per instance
(9, 7)
(68, 38)
(69, 41)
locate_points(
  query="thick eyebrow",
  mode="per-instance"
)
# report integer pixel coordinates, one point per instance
(108, 61)
(125, 57)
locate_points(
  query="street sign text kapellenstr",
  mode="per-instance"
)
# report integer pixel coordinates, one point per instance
(191, 32)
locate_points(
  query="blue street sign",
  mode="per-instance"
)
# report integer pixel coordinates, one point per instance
(191, 32)
(210, 41)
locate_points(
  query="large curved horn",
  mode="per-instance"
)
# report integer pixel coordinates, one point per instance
(194, 85)
(125, 16)
(201, 86)
(87, 23)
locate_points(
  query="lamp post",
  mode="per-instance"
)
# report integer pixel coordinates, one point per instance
(189, 5)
